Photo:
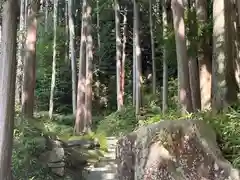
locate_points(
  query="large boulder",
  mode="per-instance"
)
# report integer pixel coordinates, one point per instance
(172, 150)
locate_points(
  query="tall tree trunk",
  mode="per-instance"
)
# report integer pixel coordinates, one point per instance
(124, 30)
(98, 25)
(204, 56)
(134, 72)
(219, 58)
(73, 56)
(7, 82)
(0, 33)
(137, 56)
(67, 49)
(118, 55)
(238, 10)
(153, 49)
(41, 5)
(29, 68)
(46, 15)
(81, 106)
(236, 28)
(18, 93)
(193, 60)
(231, 83)
(184, 91)
(165, 64)
(26, 10)
(53, 81)
(89, 71)
(134, 62)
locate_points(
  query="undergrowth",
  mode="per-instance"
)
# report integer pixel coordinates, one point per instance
(27, 146)
(29, 143)
(121, 122)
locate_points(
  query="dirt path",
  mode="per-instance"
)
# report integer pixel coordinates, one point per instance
(106, 168)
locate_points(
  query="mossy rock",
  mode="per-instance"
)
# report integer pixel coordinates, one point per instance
(79, 157)
(99, 137)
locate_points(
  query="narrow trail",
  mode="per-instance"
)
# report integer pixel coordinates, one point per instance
(106, 168)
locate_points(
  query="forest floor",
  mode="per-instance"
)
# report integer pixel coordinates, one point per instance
(106, 168)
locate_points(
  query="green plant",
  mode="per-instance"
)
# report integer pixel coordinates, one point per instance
(28, 144)
(119, 122)
(227, 127)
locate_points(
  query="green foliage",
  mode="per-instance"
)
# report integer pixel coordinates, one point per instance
(124, 121)
(104, 63)
(227, 127)
(29, 143)
(62, 96)
(118, 123)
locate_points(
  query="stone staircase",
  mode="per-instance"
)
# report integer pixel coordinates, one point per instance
(106, 168)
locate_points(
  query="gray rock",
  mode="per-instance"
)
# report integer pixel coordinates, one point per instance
(56, 165)
(172, 150)
(53, 143)
(69, 156)
(82, 143)
(55, 155)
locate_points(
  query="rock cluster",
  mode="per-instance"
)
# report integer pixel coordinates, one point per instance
(69, 157)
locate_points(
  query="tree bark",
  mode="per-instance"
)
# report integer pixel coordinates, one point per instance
(219, 58)
(231, 82)
(236, 28)
(53, 81)
(89, 71)
(18, 93)
(134, 63)
(46, 15)
(26, 10)
(184, 91)
(193, 59)
(98, 25)
(204, 56)
(238, 10)
(165, 65)
(67, 49)
(7, 83)
(123, 53)
(73, 56)
(118, 55)
(81, 106)
(152, 49)
(29, 68)
(137, 56)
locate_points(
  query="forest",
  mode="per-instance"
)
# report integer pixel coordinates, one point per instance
(147, 89)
